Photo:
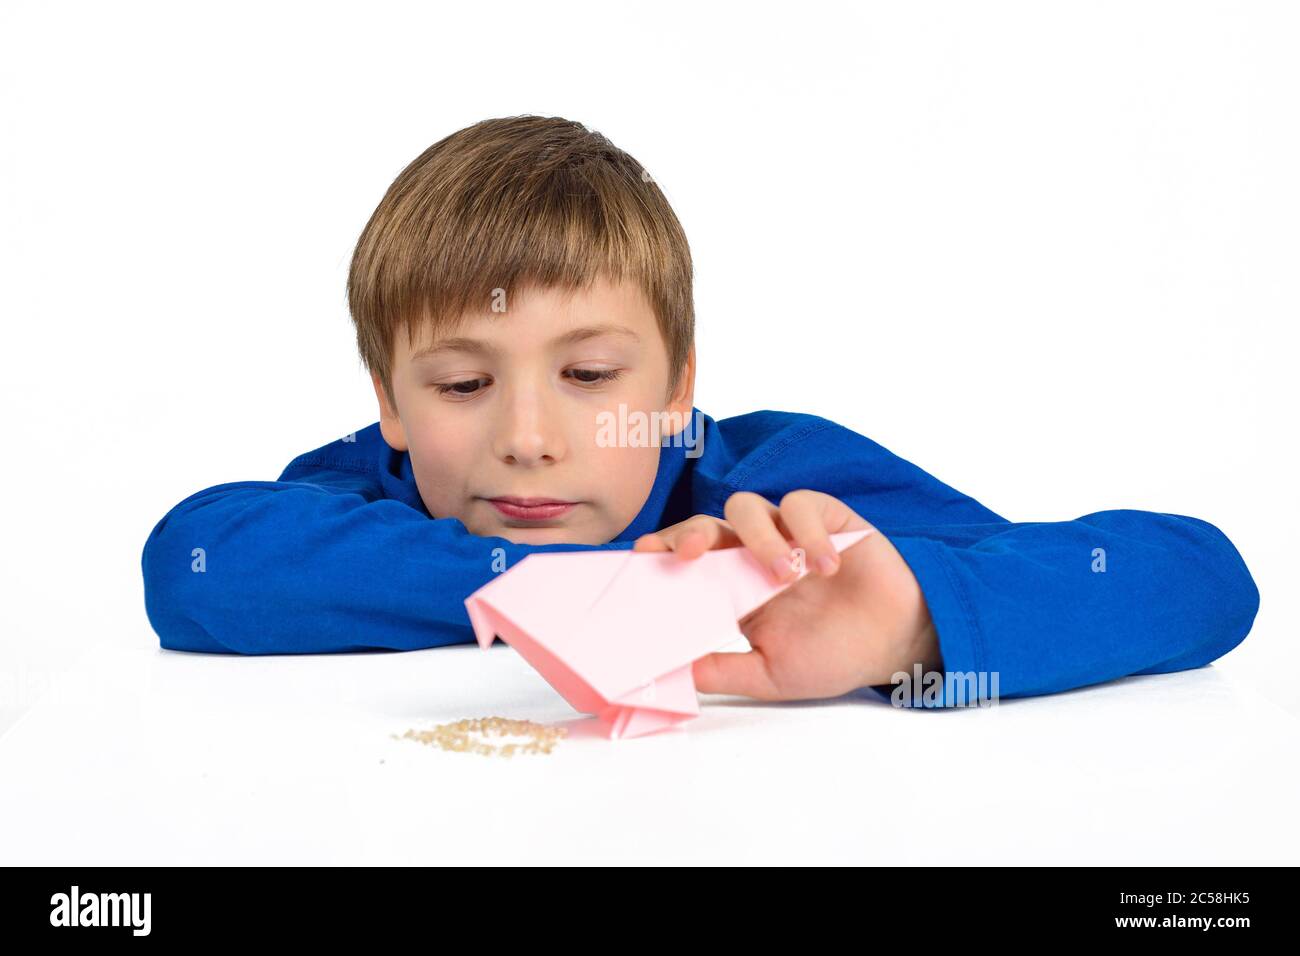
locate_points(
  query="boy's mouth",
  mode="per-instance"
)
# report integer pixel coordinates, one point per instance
(532, 509)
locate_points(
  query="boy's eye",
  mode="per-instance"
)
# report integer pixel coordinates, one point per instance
(596, 376)
(455, 387)
(600, 375)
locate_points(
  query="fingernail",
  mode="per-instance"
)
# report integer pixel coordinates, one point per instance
(781, 567)
(827, 564)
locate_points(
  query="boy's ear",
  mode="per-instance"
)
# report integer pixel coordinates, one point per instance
(683, 398)
(389, 424)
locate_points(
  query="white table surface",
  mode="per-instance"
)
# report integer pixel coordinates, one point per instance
(156, 757)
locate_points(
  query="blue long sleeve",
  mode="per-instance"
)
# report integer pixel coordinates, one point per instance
(1032, 603)
(1048, 606)
(338, 554)
(292, 567)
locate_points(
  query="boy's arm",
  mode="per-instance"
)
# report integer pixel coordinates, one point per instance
(319, 563)
(1050, 606)
(1030, 600)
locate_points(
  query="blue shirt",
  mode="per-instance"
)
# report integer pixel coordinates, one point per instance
(340, 554)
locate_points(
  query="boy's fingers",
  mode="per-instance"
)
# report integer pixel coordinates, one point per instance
(729, 672)
(702, 533)
(650, 542)
(812, 518)
(691, 543)
(690, 538)
(761, 528)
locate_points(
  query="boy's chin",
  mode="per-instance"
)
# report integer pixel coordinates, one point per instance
(549, 535)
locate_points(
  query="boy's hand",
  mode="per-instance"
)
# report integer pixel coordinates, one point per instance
(853, 622)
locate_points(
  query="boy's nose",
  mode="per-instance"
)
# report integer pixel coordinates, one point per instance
(529, 432)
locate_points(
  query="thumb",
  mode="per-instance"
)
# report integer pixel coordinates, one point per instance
(729, 672)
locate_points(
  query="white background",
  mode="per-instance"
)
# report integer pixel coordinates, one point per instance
(1048, 252)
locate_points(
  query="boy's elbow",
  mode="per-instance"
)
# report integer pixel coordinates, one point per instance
(168, 595)
(1220, 594)
(1241, 595)
(1228, 586)
(1243, 605)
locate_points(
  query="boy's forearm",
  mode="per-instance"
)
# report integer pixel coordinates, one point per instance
(1050, 606)
(286, 568)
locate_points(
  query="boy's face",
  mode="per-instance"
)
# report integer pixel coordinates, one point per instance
(509, 408)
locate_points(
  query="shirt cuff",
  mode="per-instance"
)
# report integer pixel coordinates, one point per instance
(960, 642)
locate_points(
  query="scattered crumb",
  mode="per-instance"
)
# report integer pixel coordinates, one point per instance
(460, 736)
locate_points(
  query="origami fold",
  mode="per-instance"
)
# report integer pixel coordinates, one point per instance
(616, 632)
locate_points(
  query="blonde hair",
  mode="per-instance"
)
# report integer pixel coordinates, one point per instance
(504, 204)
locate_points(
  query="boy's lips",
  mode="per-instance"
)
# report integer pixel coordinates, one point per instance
(532, 509)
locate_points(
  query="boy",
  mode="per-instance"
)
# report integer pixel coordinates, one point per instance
(522, 285)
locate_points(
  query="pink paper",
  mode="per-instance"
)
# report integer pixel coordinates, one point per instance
(616, 632)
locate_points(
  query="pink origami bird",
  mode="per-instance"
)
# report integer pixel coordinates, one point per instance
(616, 632)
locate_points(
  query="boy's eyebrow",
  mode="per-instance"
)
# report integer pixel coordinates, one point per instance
(479, 347)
